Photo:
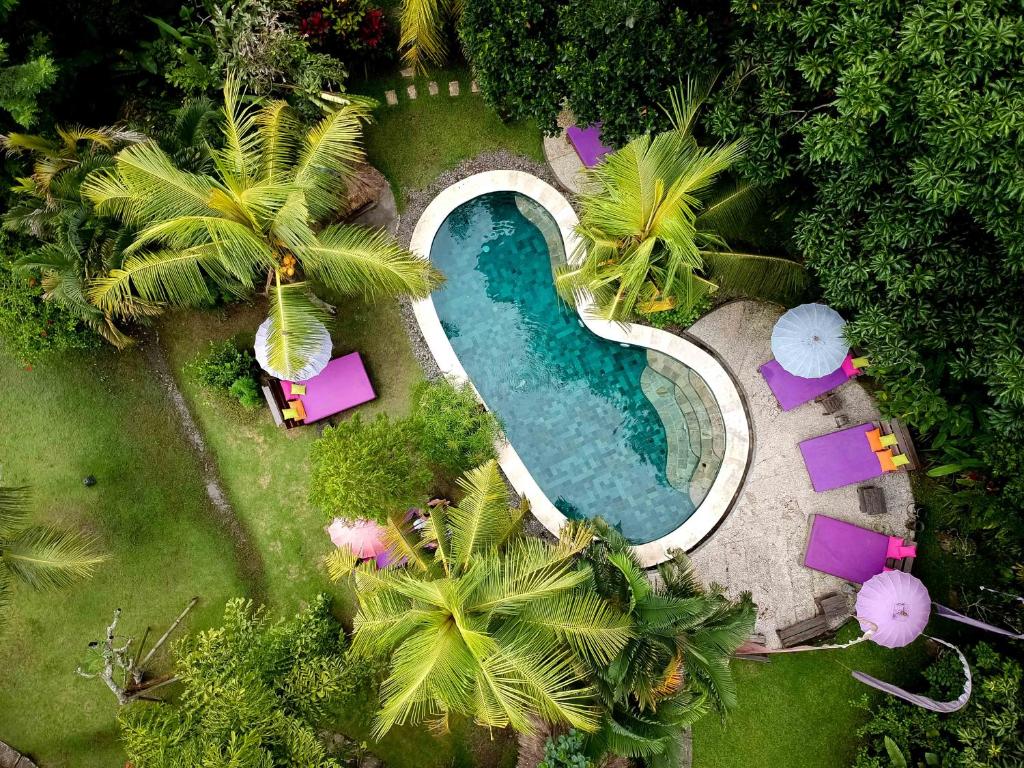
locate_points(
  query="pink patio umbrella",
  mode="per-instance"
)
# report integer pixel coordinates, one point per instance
(893, 607)
(364, 537)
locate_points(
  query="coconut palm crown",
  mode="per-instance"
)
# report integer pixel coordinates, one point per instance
(40, 557)
(652, 231)
(255, 219)
(484, 622)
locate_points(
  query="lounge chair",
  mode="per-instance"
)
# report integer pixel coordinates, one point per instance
(850, 552)
(342, 384)
(846, 457)
(587, 143)
(791, 391)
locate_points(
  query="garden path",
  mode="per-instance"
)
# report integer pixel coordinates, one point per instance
(247, 556)
(759, 547)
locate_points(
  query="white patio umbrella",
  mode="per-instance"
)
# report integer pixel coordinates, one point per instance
(318, 359)
(808, 341)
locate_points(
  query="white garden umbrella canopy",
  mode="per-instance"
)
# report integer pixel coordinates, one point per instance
(317, 361)
(808, 341)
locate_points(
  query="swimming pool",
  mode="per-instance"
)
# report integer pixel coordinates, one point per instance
(598, 426)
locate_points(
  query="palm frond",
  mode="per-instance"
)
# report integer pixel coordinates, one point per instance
(46, 558)
(296, 323)
(158, 278)
(422, 38)
(239, 159)
(357, 260)
(585, 623)
(481, 521)
(685, 102)
(330, 149)
(728, 215)
(13, 509)
(339, 563)
(767, 277)
(279, 132)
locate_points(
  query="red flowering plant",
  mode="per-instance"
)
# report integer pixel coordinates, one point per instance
(342, 27)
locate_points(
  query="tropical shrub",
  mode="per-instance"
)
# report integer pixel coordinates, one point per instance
(566, 751)
(674, 668)
(252, 693)
(368, 469)
(619, 57)
(350, 30)
(29, 326)
(454, 432)
(678, 317)
(226, 367)
(21, 84)
(652, 226)
(895, 126)
(512, 46)
(484, 622)
(987, 733)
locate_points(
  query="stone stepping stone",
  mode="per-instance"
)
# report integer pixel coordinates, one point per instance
(391, 97)
(408, 72)
(411, 90)
(432, 87)
(474, 87)
(453, 88)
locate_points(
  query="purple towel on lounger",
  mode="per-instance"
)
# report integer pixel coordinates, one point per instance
(587, 142)
(792, 391)
(840, 458)
(845, 550)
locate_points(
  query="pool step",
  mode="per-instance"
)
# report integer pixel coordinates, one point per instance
(703, 418)
(681, 460)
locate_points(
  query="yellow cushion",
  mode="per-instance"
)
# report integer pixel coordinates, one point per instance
(887, 440)
(901, 460)
(860, 362)
(298, 389)
(290, 413)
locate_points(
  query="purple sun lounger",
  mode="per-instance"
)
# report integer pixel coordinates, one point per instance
(341, 385)
(587, 143)
(845, 550)
(840, 458)
(792, 391)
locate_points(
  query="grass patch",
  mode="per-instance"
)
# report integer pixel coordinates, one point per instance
(413, 142)
(264, 468)
(103, 414)
(801, 710)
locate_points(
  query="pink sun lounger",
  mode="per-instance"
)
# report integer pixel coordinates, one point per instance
(845, 550)
(343, 384)
(792, 391)
(587, 143)
(840, 458)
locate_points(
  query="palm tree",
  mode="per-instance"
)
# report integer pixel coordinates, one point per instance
(41, 557)
(424, 24)
(675, 668)
(256, 214)
(484, 622)
(652, 236)
(49, 206)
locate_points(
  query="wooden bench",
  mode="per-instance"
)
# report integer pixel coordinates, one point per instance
(830, 402)
(833, 605)
(904, 564)
(871, 499)
(802, 631)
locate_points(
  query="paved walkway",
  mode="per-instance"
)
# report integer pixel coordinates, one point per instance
(760, 545)
(562, 157)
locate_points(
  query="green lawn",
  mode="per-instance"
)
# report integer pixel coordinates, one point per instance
(99, 413)
(801, 710)
(413, 142)
(263, 467)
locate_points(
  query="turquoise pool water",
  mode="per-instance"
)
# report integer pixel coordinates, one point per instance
(571, 403)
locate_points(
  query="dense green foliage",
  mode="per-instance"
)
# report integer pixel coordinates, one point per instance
(252, 693)
(611, 60)
(680, 317)
(896, 128)
(512, 45)
(21, 84)
(454, 432)
(29, 326)
(367, 469)
(565, 751)
(226, 367)
(987, 733)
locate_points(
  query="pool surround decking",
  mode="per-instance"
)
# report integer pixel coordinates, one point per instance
(726, 484)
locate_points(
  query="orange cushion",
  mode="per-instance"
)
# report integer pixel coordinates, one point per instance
(875, 440)
(885, 459)
(300, 410)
